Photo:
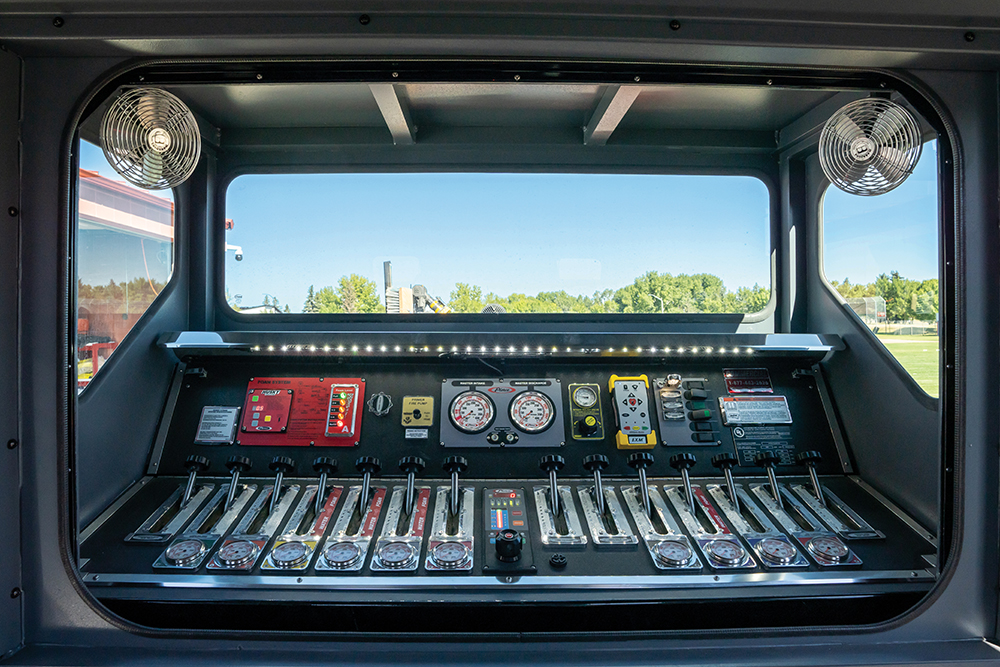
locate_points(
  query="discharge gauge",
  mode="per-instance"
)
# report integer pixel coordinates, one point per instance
(532, 412)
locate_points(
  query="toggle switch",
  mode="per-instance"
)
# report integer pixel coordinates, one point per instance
(194, 464)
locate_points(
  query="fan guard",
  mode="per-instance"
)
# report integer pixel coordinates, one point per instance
(151, 138)
(870, 146)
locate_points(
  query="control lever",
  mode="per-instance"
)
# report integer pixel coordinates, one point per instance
(595, 463)
(236, 465)
(726, 462)
(411, 465)
(194, 464)
(325, 466)
(454, 465)
(640, 461)
(281, 465)
(367, 466)
(551, 463)
(768, 460)
(809, 460)
(684, 462)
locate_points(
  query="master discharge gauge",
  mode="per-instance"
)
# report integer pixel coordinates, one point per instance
(472, 412)
(532, 412)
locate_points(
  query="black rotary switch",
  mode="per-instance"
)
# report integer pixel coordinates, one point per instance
(237, 465)
(726, 462)
(194, 464)
(281, 465)
(684, 462)
(768, 460)
(411, 465)
(595, 463)
(587, 426)
(508, 544)
(809, 460)
(640, 461)
(325, 466)
(552, 463)
(454, 465)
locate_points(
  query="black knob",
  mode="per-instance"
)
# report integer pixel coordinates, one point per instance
(808, 458)
(767, 459)
(682, 461)
(368, 464)
(413, 464)
(282, 463)
(552, 462)
(587, 426)
(508, 543)
(325, 464)
(240, 463)
(640, 460)
(454, 464)
(595, 462)
(196, 462)
(725, 460)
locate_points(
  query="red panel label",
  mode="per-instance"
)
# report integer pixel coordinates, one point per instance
(305, 422)
(368, 529)
(713, 516)
(420, 512)
(324, 518)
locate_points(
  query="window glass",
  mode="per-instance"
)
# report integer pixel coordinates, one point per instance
(881, 254)
(493, 242)
(125, 256)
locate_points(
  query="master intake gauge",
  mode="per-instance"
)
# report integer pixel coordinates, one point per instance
(472, 412)
(532, 412)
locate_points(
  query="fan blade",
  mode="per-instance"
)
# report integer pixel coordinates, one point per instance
(846, 130)
(152, 167)
(891, 163)
(856, 171)
(888, 124)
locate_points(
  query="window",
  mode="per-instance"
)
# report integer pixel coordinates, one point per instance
(881, 254)
(497, 242)
(124, 257)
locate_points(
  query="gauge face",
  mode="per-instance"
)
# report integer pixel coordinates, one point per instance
(450, 554)
(585, 397)
(725, 552)
(828, 547)
(471, 412)
(673, 553)
(290, 554)
(237, 553)
(775, 551)
(396, 554)
(532, 412)
(185, 551)
(342, 554)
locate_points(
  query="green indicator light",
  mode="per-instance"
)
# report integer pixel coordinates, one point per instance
(343, 395)
(255, 399)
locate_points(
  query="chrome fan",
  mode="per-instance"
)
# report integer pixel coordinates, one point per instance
(870, 146)
(151, 138)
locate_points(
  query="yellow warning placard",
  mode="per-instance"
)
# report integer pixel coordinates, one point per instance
(418, 411)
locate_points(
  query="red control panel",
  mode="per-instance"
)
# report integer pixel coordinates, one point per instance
(302, 412)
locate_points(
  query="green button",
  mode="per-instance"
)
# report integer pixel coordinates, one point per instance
(255, 399)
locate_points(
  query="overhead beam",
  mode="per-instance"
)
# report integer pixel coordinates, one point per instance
(614, 105)
(395, 112)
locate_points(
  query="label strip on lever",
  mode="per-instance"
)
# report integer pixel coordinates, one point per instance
(343, 552)
(671, 550)
(400, 552)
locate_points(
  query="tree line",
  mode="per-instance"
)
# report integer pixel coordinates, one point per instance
(905, 299)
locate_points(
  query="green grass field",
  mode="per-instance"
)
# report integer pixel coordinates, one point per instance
(918, 355)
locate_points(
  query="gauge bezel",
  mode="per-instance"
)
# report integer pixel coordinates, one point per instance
(187, 559)
(449, 564)
(469, 394)
(237, 562)
(672, 562)
(343, 565)
(285, 563)
(587, 388)
(514, 421)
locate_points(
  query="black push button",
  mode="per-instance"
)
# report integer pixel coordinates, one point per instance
(695, 394)
(703, 437)
(701, 426)
(694, 384)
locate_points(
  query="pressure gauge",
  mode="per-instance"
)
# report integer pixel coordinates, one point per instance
(673, 553)
(184, 552)
(450, 555)
(471, 412)
(237, 553)
(828, 548)
(396, 554)
(532, 412)
(585, 396)
(290, 554)
(725, 552)
(776, 552)
(342, 555)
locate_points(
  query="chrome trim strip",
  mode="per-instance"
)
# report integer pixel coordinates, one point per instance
(95, 525)
(892, 507)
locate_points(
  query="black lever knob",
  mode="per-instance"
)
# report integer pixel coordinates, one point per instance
(588, 426)
(683, 461)
(282, 464)
(508, 544)
(412, 464)
(767, 459)
(725, 460)
(595, 462)
(196, 463)
(552, 462)
(808, 458)
(640, 460)
(454, 464)
(239, 464)
(325, 464)
(368, 465)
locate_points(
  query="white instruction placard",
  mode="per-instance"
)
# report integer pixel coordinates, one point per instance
(754, 410)
(217, 425)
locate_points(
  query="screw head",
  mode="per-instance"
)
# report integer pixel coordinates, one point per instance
(970, 36)
(517, 77)
(12, 444)
(364, 19)
(675, 25)
(12, 211)
(16, 592)
(58, 22)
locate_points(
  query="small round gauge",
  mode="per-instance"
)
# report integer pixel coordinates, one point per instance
(585, 397)
(450, 555)
(184, 552)
(471, 412)
(725, 552)
(342, 555)
(828, 548)
(238, 552)
(396, 554)
(776, 552)
(532, 412)
(673, 553)
(290, 554)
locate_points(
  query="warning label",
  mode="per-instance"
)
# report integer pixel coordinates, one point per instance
(753, 440)
(754, 410)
